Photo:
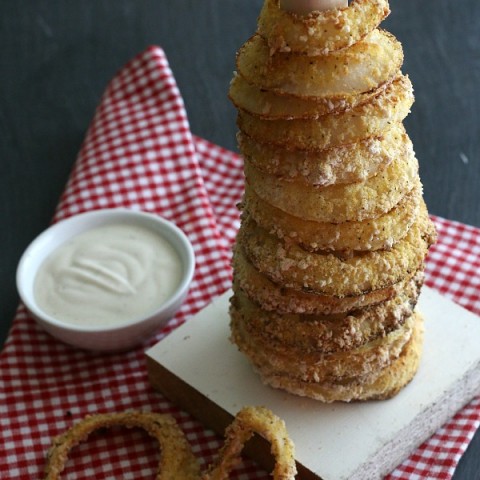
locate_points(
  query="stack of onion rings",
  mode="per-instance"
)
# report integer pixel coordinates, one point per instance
(334, 231)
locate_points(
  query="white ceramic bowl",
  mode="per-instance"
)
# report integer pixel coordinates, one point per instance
(119, 337)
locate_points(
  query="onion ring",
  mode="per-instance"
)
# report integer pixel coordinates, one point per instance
(176, 460)
(344, 164)
(247, 422)
(329, 274)
(374, 234)
(270, 105)
(282, 300)
(319, 33)
(386, 385)
(338, 203)
(364, 121)
(275, 297)
(301, 334)
(314, 367)
(363, 67)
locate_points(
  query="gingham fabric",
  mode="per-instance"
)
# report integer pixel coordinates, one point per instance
(140, 154)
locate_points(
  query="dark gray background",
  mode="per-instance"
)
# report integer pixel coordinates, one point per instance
(56, 57)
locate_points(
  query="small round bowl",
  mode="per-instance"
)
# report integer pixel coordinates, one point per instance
(125, 335)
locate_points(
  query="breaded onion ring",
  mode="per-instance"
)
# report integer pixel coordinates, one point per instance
(319, 32)
(270, 105)
(374, 234)
(176, 459)
(343, 164)
(386, 385)
(275, 297)
(364, 361)
(364, 121)
(329, 274)
(338, 203)
(299, 334)
(247, 422)
(363, 67)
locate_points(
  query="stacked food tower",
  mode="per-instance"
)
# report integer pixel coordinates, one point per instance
(329, 259)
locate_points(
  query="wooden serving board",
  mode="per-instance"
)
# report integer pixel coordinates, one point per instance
(202, 372)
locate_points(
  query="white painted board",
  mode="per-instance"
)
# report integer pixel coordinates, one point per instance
(338, 441)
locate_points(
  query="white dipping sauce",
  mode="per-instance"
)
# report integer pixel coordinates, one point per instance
(108, 275)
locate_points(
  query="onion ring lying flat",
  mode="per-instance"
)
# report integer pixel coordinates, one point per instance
(274, 297)
(270, 105)
(364, 121)
(327, 274)
(361, 68)
(373, 234)
(387, 384)
(247, 422)
(338, 203)
(301, 334)
(283, 300)
(176, 460)
(319, 32)
(344, 164)
(364, 361)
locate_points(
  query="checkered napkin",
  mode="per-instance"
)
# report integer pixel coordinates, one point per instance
(140, 154)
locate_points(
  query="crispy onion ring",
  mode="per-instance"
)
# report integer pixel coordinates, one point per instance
(374, 234)
(313, 367)
(329, 274)
(344, 164)
(274, 297)
(301, 334)
(338, 203)
(364, 121)
(386, 385)
(319, 33)
(247, 422)
(176, 460)
(363, 67)
(270, 105)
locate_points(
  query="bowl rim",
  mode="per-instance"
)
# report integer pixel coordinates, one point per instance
(86, 221)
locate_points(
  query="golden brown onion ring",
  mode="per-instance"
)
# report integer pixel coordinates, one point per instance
(364, 121)
(274, 297)
(329, 274)
(344, 164)
(248, 421)
(270, 105)
(319, 32)
(366, 360)
(338, 203)
(386, 385)
(301, 334)
(374, 234)
(363, 67)
(176, 459)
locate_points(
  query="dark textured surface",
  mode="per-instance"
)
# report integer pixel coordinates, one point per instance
(58, 55)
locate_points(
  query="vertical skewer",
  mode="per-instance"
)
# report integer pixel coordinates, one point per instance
(303, 7)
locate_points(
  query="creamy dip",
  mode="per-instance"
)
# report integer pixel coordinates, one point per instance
(108, 275)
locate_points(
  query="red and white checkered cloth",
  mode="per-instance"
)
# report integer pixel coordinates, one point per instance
(139, 153)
